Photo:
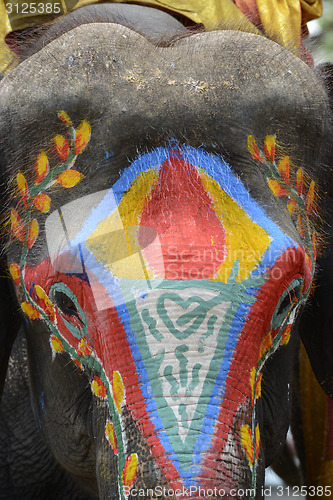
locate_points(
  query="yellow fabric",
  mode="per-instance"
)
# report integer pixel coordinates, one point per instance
(281, 19)
(319, 471)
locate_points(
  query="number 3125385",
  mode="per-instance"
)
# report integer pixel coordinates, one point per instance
(33, 8)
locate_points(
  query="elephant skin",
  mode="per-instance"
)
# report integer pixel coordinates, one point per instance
(161, 202)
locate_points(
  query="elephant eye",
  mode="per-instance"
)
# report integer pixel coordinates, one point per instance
(65, 304)
(288, 299)
(73, 316)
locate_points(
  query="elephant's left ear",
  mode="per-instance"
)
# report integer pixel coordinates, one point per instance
(316, 323)
(10, 317)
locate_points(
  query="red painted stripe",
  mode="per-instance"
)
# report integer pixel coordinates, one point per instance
(181, 211)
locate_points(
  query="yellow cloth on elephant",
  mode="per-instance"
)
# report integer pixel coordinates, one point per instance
(280, 19)
(317, 430)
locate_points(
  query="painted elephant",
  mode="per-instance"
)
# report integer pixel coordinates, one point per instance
(163, 202)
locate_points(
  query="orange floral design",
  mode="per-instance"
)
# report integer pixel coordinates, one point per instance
(130, 472)
(286, 335)
(69, 178)
(98, 387)
(118, 391)
(77, 363)
(84, 349)
(291, 206)
(30, 311)
(56, 344)
(111, 436)
(276, 188)
(17, 226)
(62, 147)
(266, 344)
(14, 270)
(299, 181)
(65, 118)
(42, 202)
(252, 452)
(269, 147)
(82, 137)
(255, 384)
(23, 188)
(46, 304)
(253, 148)
(42, 167)
(32, 233)
(284, 168)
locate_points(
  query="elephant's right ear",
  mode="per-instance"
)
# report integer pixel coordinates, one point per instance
(10, 321)
(316, 322)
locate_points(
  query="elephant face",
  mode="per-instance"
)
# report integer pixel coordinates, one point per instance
(161, 237)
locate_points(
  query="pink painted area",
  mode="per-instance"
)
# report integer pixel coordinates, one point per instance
(191, 236)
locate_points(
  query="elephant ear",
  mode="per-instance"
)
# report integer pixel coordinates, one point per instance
(316, 323)
(10, 319)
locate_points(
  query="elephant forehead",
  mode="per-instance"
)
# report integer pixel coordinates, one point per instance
(211, 76)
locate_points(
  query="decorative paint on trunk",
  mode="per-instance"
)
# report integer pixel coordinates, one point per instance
(164, 277)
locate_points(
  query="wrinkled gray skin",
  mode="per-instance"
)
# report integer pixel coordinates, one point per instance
(52, 446)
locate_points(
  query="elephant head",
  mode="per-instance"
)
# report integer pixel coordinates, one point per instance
(162, 206)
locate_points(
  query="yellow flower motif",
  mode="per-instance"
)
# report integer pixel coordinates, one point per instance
(17, 226)
(98, 387)
(62, 147)
(84, 349)
(299, 181)
(82, 136)
(23, 188)
(247, 442)
(42, 167)
(276, 188)
(14, 270)
(65, 118)
(69, 178)
(111, 436)
(130, 471)
(255, 385)
(253, 148)
(30, 311)
(42, 202)
(32, 233)
(46, 303)
(118, 391)
(266, 344)
(310, 197)
(269, 147)
(291, 206)
(284, 168)
(56, 344)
